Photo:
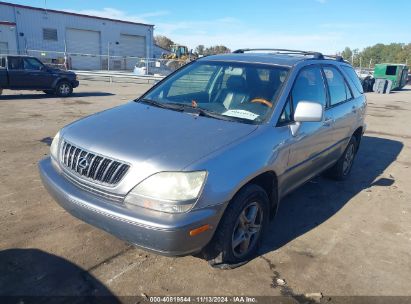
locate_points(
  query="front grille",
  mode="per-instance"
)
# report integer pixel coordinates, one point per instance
(92, 166)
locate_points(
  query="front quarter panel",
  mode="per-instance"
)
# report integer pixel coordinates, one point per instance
(230, 169)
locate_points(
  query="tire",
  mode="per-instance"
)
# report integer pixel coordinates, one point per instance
(238, 226)
(341, 170)
(1, 91)
(64, 89)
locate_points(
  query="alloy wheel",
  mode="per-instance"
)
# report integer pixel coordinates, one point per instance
(247, 229)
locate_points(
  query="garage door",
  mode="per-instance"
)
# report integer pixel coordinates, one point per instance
(132, 46)
(4, 48)
(84, 48)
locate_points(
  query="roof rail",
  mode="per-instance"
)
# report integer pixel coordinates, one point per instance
(316, 55)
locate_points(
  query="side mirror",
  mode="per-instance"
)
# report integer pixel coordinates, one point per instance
(307, 111)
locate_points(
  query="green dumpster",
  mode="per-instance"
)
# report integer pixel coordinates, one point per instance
(397, 73)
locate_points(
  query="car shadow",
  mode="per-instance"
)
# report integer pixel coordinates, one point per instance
(35, 276)
(318, 200)
(46, 96)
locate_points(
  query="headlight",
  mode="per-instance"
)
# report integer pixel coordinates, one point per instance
(172, 192)
(54, 148)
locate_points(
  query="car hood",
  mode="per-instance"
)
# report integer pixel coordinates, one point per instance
(62, 72)
(153, 139)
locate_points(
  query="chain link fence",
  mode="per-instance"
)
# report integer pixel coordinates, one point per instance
(90, 56)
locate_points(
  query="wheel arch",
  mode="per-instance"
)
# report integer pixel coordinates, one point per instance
(269, 182)
(358, 135)
(58, 80)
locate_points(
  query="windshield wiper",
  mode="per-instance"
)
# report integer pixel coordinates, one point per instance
(211, 114)
(163, 105)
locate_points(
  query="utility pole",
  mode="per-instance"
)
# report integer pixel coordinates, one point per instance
(360, 64)
(108, 56)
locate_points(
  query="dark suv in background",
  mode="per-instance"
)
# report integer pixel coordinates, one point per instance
(29, 73)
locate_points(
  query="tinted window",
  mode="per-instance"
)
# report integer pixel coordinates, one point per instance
(2, 62)
(339, 91)
(308, 86)
(32, 64)
(15, 63)
(354, 79)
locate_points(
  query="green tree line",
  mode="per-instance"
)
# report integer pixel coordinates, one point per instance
(379, 53)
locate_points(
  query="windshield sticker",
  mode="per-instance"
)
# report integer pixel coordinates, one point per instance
(241, 114)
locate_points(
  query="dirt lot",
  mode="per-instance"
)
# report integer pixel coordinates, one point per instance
(338, 238)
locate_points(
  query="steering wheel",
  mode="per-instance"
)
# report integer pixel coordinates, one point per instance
(263, 101)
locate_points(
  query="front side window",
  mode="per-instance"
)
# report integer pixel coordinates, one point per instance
(338, 88)
(32, 64)
(308, 86)
(240, 91)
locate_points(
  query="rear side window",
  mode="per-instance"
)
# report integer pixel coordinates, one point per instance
(15, 63)
(354, 80)
(338, 88)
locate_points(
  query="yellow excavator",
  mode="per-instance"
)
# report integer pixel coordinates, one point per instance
(179, 56)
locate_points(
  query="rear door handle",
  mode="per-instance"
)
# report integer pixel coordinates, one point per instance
(328, 122)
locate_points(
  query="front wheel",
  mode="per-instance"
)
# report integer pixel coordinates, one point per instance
(64, 89)
(240, 231)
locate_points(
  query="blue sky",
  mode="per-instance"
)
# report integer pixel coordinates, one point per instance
(323, 25)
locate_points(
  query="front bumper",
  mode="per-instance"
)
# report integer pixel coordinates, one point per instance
(75, 83)
(166, 234)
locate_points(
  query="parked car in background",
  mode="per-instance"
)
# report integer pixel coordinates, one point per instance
(29, 73)
(202, 160)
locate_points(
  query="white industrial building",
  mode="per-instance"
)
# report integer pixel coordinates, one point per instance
(79, 41)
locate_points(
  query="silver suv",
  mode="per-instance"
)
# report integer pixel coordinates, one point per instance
(200, 162)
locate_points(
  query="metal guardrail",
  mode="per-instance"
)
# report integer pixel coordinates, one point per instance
(117, 75)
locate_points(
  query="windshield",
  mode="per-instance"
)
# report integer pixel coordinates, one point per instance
(239, 91)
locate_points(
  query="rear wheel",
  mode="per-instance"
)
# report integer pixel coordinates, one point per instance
(341, 170)
(240, 231)
(1, 91)
(64, 89)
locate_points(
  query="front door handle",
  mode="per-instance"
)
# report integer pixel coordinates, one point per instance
(328, 122)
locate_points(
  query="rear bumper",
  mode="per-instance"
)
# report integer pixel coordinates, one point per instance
(166, 234)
